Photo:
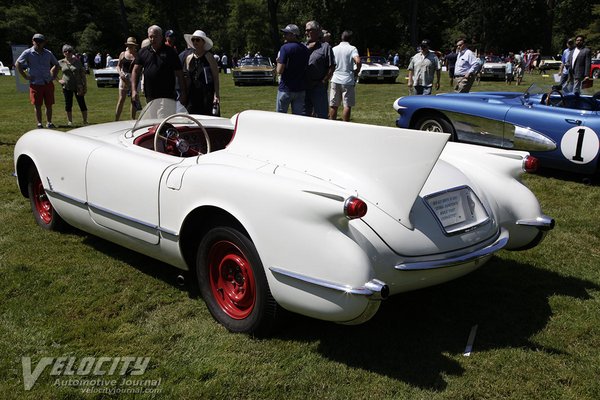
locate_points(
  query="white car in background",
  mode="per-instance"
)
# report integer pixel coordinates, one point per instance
(377, 68)
(548, 63)
(279, 211)
(108, 76)
(493, 68)
(4, 70)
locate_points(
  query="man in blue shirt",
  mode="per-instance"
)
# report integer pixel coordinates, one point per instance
(292, 63)
(39, 66)
(466, 67)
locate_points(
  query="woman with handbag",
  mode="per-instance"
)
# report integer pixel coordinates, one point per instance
(202, 76)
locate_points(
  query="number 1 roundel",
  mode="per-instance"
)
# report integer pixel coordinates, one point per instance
(580, 145)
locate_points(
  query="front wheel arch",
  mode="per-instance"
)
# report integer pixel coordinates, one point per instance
(195, 226)
(43, 211)
(24, 163)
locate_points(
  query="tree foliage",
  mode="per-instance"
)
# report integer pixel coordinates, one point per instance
(239, 26)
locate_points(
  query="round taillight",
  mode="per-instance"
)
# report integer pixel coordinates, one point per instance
(355, 207)
(530, 164)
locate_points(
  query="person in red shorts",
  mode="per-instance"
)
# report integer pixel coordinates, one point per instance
(39, 66)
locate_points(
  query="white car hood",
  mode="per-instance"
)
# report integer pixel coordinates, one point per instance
(378, 66)
(494, 65)
(385, 166)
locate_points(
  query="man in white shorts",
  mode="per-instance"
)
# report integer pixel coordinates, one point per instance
(344, 77)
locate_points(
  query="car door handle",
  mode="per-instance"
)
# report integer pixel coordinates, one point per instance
(573, 121)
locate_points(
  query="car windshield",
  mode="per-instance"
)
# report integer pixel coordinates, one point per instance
(159, 109)
(493, 59)
(112, 63)
(374, 59)
(255, 61)
(537, 90)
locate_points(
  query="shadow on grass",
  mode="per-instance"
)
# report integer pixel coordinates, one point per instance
(416, 336)
(591, 180)
(146, 265)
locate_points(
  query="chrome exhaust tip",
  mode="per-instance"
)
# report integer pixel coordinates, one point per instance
(380, 290)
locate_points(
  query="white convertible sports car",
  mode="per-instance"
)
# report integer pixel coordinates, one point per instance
(322, 218)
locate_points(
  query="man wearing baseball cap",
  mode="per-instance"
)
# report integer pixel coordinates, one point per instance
(292, 63)
(422, 69)
(39, 66)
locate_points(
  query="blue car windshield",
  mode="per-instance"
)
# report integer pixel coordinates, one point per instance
(535, 90)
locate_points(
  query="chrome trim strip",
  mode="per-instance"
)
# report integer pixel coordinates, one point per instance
(66, 197)
(168, 232)
(142, 225)
(543, 222)
(326, 195)
(498, 244)
(83, 203)
(122, 216)
(369, 289)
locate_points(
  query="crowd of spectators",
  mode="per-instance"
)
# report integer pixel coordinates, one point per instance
(315, 77)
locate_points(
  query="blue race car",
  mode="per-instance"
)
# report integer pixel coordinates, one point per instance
(562, 131)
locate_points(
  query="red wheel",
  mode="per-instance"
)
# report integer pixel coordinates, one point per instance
(231, 279)
(41, 203)
(233, 283)
(43, 211)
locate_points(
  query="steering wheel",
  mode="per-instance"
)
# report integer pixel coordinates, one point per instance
(554, 102)
(174, 144)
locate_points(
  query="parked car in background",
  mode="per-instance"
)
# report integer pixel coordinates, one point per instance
(108, 76)
(548, 63)
(493, 68)
(377, 68)
(595, 69)
(254, 70)
(4, 70)
(276, 211)
(561, 131)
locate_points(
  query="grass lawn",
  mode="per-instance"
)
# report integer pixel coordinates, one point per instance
(74, 295)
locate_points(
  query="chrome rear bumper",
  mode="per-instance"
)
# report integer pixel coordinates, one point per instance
(487, 251)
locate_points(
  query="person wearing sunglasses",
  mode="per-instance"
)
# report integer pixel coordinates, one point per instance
(40, 67)
(321, 65)
(201, 73)
(74, 83)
